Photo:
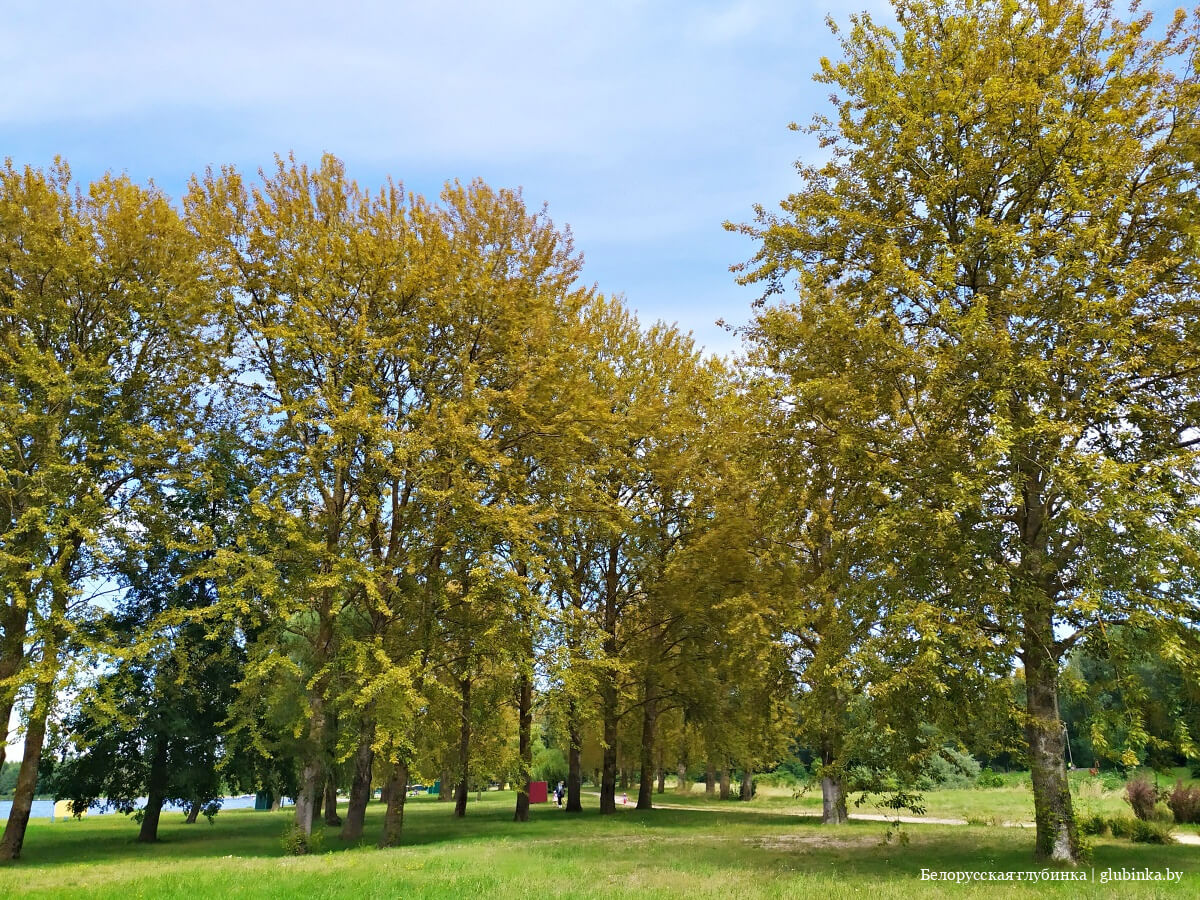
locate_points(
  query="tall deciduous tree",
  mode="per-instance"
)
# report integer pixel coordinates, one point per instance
(1004, 237)
(102, 312)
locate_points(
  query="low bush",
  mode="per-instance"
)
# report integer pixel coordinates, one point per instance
(1122, 826)
(1151, 833)
(1141, 796)
(296, 843)
(1093, 823)
(1184, 803)
(952, 768)
(989, 779)
(1112, 781)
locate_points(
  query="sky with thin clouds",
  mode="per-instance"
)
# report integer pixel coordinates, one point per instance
(643, 125)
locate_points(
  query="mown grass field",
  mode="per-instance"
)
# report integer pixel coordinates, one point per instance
(755, 849)
(1011, 804)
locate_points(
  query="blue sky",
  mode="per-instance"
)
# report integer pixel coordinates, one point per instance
(643, 125)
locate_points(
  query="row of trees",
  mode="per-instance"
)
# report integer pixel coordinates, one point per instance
(357, 467)
(371, 477)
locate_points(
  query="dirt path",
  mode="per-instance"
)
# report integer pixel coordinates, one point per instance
(1180, 837)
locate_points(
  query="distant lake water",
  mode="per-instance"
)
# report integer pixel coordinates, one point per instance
(44, 809)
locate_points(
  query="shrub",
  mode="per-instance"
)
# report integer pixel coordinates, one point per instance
(1112, 781)
(1141, 795)
(1151, 833)
(989, 779)
(1093, 823)
(952, 768)
(1122, 826)
(1185, 804)
(296, 843)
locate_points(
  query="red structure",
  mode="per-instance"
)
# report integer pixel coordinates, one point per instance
(537, 792)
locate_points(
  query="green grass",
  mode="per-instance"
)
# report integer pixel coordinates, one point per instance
(751, 850)
(1012, 803)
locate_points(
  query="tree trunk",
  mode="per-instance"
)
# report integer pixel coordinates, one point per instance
(193, 813)
(833, 801)
(308, 797)
(26, 787)
(276, 802)
(464, 749)
(318, 802)
(156, 792)
(646, 774)
(360, 784)
(1057, 837)
(446, 789)
(574, 770)
(662, 774)
(393, 820)
(624, 785)
(609, 761)
(684, 785)
(525, 761)
(710, 779)
(747, 791)
(312, 775)
(332, 819)
(608, 694)
(725, 783)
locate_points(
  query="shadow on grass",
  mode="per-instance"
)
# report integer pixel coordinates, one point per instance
(245, 833)
(695, 840)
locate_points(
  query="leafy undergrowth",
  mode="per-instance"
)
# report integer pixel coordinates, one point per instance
(745, 852)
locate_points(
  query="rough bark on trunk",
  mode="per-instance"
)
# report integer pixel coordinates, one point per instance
(276, 802)
(360, 784)
(646, 774)
(193, 814)
(609, 762)
(308, 797)
(725, 783)
(1057, 836)
(393, 819)
(332, 819)
(156, 791)
(464, 749)
(747, 791)
(833, 801)
(318, 803)
(525, 729)
(22, 802)
(1033, 588)
(312, 775)
(710, 779)
(574, 768)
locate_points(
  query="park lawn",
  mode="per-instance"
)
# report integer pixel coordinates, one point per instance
(1012, 803)
(743, 852)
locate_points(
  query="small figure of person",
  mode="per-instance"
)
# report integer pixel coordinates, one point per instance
(558, 794)
(625, 799)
